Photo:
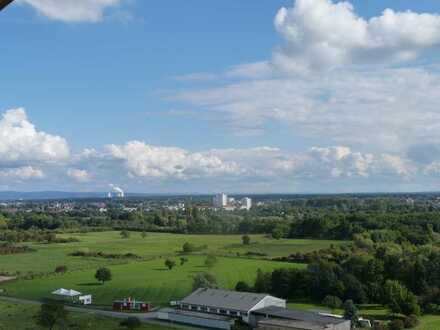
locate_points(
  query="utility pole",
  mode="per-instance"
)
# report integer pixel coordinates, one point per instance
(4, 3)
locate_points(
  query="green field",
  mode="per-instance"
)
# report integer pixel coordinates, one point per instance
(149, 280)
(21, 317)
(48, 256)
(373, 312)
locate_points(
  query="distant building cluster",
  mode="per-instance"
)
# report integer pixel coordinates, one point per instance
(222, 201)
(115, 192)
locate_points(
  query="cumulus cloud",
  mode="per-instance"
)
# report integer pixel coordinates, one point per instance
(79, 175)
(147, 161)
(20, 142)
(21, 173)
(73, 10)
(321, 34)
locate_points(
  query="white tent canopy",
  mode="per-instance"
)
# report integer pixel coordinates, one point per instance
(66, 293)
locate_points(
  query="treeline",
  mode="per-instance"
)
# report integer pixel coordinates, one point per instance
(406, 278)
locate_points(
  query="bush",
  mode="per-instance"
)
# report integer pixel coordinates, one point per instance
(411, 321)
(396, 325)
(242, 287)
(131, 323)
(332, 302)
(61, 269)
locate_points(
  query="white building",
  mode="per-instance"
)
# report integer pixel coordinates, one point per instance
(228, 303)
(246, 203)
(220, 200)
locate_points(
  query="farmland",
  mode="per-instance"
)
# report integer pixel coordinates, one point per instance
(49, 256)
(146, 278)
(149, 280)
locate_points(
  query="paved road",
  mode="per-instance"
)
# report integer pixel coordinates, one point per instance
(143, 317)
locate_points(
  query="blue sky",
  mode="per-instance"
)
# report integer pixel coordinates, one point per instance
(197, 96)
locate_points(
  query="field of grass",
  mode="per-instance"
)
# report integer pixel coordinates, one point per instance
(48, 256)
(149, 280)
(372, 312)
(21, 317)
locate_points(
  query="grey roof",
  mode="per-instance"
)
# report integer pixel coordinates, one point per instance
(223, 299)
(292, 324)
(195, 314)
(293, 314)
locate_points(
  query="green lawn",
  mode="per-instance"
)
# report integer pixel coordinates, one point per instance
(148, 280)
(372, 312)
(21, 317)
(48, 256)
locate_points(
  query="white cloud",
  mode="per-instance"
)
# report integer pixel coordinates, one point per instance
(73, 10)
(146, 161)
(79, 175)
(321, 34)
(21, 173)
(20, 142)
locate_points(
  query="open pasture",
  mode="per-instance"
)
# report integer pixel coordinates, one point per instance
(149, 280)
(49, 256)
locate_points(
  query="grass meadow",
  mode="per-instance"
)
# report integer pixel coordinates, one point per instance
(49, 256)
(149, 280)
(22, 317)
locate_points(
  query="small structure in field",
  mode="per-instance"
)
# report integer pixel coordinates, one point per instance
(72, 296)
(129, 304)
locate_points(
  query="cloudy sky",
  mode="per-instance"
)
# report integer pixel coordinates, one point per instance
(208, 96)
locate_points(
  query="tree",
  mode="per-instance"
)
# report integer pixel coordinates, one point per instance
(246, 239)
(263, 282)
(399, 299)
(103, 275)
(143, 234)
(170, 264)
(242, 287)
(211, 261)
(130, 323)
(125, 234)
(50, 314)
(411, 321)
(204, 280)
(183, 261)
(351, 312)
(188, 247)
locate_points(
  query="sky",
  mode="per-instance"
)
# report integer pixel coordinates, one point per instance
(287, 96)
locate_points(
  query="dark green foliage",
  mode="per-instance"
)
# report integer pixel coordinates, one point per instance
(396, 325)
(211, 261)
(246, 239)
(50, 314)
(351, 312)
(332, 302)
(103, 275)
(170, 264)
(130, 323)
(61, 269)
(411, 321)
(183, 260)
(242, 287)
(125, 234)
(204, 280)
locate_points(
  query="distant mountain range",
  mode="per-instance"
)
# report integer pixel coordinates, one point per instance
(16, 195)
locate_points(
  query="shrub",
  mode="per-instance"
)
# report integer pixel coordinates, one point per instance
(411, 321)
(332, 302)
(61, 269)
(130, 323)
(396, 325)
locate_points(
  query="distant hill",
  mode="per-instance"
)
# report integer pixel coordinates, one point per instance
(16, 195)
